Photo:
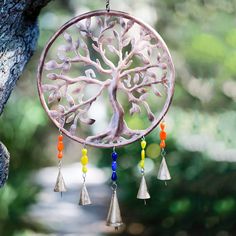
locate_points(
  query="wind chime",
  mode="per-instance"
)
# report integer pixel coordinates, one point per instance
(106, 64)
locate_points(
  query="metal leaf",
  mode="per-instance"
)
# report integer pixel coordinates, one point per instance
(70, 100)
(135, 109)
(136, 78)
(52, 65)
(54, 114)
(52, 76)
(67, 37)
(73, 129)
(70, 118)
(66, 66)
(49, 87)
(90, 73)
(61, 109)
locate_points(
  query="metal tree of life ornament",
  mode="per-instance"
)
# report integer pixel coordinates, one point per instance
(106, 79)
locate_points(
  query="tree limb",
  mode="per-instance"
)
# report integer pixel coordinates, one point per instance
(18, 37)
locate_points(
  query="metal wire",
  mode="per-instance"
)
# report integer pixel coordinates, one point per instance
(108, 5)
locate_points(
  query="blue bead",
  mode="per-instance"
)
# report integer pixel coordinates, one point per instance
(114, 176)
(114, 166)
(114, 156)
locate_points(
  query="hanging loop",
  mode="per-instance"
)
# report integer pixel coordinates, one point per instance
(108, 5)
(114, 186)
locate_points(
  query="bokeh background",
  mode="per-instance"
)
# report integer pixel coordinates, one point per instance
(201, 146)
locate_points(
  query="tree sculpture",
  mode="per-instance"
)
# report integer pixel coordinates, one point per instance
(119, 56)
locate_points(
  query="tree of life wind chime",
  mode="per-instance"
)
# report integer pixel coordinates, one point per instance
(96, 74)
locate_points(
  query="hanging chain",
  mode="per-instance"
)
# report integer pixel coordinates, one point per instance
(108, 5)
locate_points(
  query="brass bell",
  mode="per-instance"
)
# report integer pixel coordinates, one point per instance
(143, 191)
(114, 217)
(163, 173)
(84, 196)
(60, 184)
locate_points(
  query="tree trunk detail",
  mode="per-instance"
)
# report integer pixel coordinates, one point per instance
(18, 38)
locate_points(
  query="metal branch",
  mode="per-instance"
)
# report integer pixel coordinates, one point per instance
(81, 79)
(138, 69)
(88, 61)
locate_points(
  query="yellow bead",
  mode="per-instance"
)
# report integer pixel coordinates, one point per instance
(84, 151)
(85, 169)
(143, 144)
(84, 160)
(143, 154)
(141, 163)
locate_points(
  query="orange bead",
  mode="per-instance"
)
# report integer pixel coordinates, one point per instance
(60, 155)
(60, 146)
(60, 137)
(162, 125)
(163, 135)
(162, 144)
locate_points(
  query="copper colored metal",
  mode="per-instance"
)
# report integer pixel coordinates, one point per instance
(155, 68)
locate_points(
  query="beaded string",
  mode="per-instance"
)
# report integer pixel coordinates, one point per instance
(114, 156)
(163, 137)
(84, 161)
(143, 155)
(60, 148)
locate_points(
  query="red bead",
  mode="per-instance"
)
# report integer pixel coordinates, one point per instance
(162, 144)
(60, 137)
(60, 155)
(163, 135)
(162, 125)
(60, 146)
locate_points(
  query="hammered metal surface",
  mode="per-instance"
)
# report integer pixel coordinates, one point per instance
(102, 73)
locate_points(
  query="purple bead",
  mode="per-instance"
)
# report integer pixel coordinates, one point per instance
(114, 156)
(114, 176)
(114, 166)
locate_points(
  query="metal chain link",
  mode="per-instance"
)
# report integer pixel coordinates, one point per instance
(108, 5)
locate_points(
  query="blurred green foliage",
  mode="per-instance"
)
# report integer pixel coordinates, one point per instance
(200, 200)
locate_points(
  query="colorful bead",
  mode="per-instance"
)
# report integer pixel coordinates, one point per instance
(162, 125)
(163, 135)
(84, 152)
(114, 166)
(141, 163)
(60, 155)
(114, 176)
(162, 144)
(143, 144)
(84, 169)
(143, 154)
(114, 156)
(84, 160)
(60, 146)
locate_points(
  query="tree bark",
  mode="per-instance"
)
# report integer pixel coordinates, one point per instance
(18, 38)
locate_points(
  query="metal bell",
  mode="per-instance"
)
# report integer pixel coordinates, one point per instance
(163, 173)
(114, 217)
(60, 184)
(84, 196)
(143, 191)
